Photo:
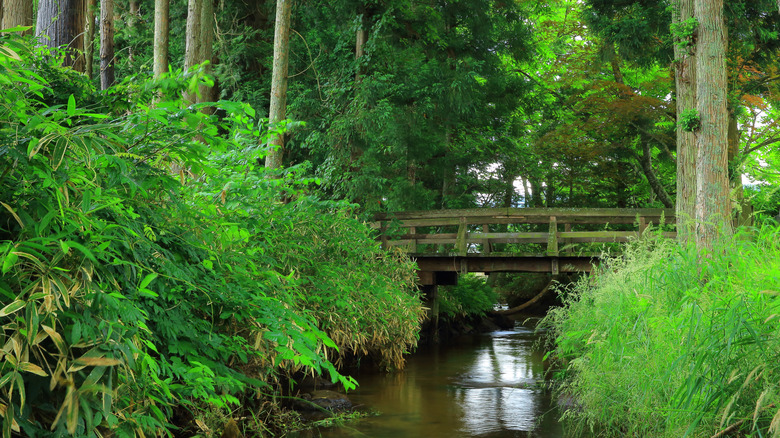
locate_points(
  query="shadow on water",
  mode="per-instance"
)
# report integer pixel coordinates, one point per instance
(480, 386)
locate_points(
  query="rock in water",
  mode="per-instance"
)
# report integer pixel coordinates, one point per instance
(330, 400)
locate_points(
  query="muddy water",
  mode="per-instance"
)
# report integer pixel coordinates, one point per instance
(481, 386)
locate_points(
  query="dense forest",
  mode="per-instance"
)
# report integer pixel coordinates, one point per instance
(185, 186)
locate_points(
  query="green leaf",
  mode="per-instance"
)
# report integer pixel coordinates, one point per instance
(71, 106)
(148, 279)
(32, 147)
(13, 308)
(9, 261)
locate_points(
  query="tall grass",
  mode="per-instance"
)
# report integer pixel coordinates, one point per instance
(665, 341)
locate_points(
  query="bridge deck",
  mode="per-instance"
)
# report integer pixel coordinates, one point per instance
(530, 239)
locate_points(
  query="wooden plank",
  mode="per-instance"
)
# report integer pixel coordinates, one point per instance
(528, 212)
(509, 264)
(523, 235)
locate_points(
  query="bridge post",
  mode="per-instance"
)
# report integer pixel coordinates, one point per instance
(486, 243)
(552, 238)
(462, 246)
(413, 245)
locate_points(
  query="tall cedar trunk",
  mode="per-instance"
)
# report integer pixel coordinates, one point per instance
(192, 49)
(160, 37)
(89, 39)
(206, 47)
(712, 183)
(509, 187)
(361, 36)
(537, 199)
(106, 43)
(735, 175)
(61, 23)
(16, 13)
(133, 14)
(278, 109)
(685, 84)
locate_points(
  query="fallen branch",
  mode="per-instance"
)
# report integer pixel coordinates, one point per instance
(528, 303)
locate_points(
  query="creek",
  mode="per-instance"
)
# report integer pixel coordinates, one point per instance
(487, 385)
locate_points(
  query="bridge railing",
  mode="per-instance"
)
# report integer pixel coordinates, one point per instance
(464, 232)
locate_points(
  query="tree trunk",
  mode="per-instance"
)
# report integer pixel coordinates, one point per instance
(206, 47)
(537, 198)
(89, 39)
(361, 36)
(160, 62)
(133, 14)
(192, 49)
(685, 84)
(61, 23)
(106, 43)
(16, 13)
(278, 109)
(712, 184)
(646, 160)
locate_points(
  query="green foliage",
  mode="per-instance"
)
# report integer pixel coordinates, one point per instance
(684, 32)
(670, 342)
(690, 120)
(147, 261)
(472, 296)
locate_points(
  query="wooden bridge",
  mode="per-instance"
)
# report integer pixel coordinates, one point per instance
(556, 240)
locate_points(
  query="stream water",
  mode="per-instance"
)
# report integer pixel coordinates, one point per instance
(479, 386)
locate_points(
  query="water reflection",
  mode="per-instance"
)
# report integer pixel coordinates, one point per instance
(483, 386)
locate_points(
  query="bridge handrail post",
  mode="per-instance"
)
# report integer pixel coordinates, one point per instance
(486, 243)
(552, 238)
(413, 245)
(462, 245)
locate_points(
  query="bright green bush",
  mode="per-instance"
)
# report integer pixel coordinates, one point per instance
(147, 261)
(470, 297)
(669, 342)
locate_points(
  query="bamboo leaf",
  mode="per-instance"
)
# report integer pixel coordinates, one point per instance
(71, 106)
(9, 261)
(12, 308)
(32, 368)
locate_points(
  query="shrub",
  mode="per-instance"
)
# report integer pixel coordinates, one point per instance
(470, 297)
(147, 262)
(666, 341)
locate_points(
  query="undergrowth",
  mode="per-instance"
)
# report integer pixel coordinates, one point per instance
(151, 270)
(667, 342)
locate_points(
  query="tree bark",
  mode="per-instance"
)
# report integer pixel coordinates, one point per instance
(712, 184)
(16, 13)
(133, 14)
(685, 85)
(107, 77)
(278, 107)
(89, 39)
(61, 23)
(361, 36)
(160, 63)
(192, 49)
(206, 47)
